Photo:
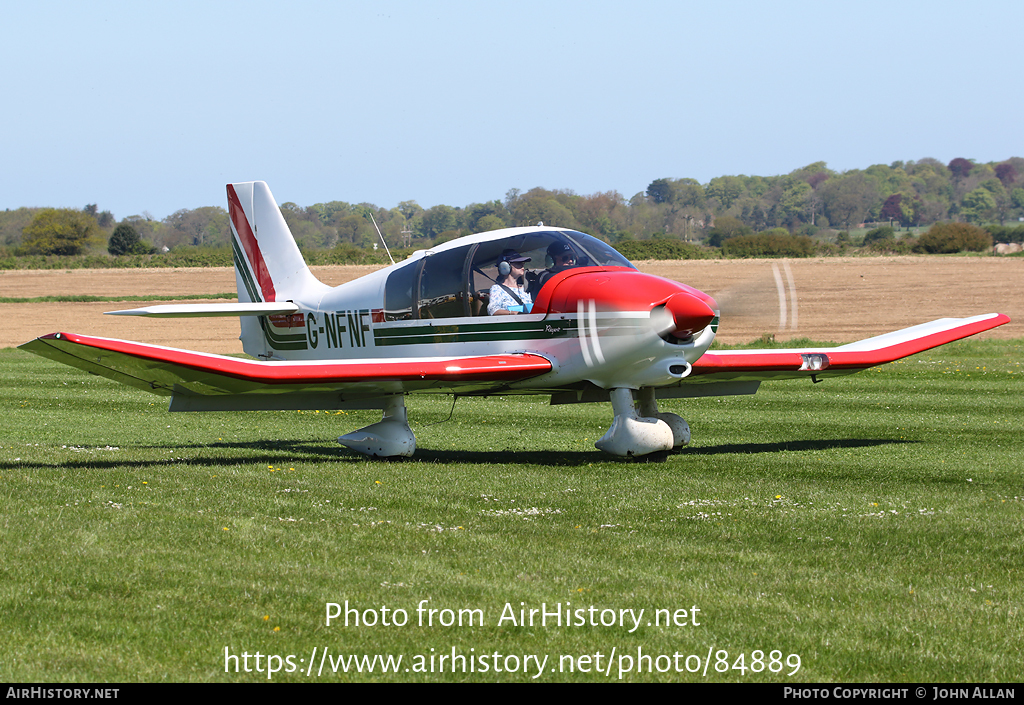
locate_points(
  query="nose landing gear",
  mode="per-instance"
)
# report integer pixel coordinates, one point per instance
(649, 431)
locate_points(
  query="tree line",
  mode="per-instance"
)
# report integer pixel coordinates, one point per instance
(812, 202)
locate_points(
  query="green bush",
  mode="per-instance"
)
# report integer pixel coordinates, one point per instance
(189, 256)
(883, 233)
(59, 231)
(769, 244)
(346, 253)
(663, 249)
(1006, 233)
(71, 262)
(727, 227)
(904, 246)
(125, 241)
(954, 237)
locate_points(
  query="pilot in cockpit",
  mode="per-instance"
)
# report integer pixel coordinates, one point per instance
(509, 296)
(562, 257)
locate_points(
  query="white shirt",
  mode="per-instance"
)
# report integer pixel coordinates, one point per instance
(501, 299)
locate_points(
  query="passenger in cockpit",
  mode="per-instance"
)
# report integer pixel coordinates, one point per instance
(508, 296)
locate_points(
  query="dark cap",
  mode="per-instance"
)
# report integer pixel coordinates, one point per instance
(511, 256)
(559, 248)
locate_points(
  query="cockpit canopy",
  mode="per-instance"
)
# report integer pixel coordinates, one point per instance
(455, 282)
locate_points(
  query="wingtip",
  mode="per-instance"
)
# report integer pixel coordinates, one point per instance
(42, 343)
(48, 336)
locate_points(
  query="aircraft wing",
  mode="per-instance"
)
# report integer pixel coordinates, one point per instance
(756, 365)
(206, 382)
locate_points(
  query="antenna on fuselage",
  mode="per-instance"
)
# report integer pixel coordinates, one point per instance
(381, 236)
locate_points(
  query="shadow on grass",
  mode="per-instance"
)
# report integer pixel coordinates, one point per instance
(577, 458)
(792, 446)
(258, 452)
(271, 452)
(545, 458)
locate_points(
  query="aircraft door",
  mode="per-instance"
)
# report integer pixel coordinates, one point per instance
(442, 285)
(398, 292)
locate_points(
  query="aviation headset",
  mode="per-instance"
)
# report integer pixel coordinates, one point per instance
(505, 265)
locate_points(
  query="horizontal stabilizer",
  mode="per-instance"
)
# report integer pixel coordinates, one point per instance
(272, 308)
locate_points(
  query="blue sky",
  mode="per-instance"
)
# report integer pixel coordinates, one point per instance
(152, 107)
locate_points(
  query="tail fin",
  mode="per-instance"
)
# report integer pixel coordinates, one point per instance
(268, 264)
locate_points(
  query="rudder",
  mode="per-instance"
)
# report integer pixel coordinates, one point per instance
(268, 264)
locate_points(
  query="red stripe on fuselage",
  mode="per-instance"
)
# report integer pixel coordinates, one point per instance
(252, 248)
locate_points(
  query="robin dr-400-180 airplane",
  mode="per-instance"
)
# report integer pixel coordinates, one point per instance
(465, 318)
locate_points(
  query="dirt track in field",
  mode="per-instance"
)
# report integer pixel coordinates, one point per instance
(838, 299)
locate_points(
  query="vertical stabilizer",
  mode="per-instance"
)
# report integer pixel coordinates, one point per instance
(268, 261)
(268, 264)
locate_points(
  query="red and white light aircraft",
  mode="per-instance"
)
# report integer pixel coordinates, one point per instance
(598, 330)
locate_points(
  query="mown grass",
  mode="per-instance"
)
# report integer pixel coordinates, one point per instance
(870, 524)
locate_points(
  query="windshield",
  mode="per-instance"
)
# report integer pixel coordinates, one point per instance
(458, 282)
(586, 250)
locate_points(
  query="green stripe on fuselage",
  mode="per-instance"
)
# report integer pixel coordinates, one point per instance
(295, 341)
(473, 332)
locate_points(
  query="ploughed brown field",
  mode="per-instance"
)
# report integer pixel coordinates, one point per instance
(838, 299)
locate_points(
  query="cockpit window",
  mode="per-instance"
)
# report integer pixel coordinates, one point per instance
(398, 292)
(456, 283)
(442, 290)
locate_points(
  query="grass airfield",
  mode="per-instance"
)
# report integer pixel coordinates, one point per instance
(869, 526)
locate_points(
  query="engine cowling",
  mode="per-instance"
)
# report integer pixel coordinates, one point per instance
(622, 289)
